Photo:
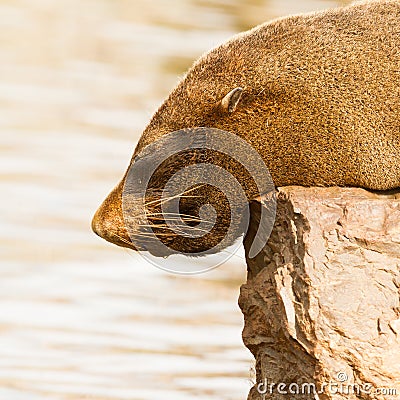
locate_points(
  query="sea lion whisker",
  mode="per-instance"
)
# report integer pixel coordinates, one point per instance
(164, 200)
(184, 219)
(181, 229)
(184, 229)
(188, 216)
(152, 234)
(123, 239)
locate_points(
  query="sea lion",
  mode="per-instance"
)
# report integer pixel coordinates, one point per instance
(317, 95)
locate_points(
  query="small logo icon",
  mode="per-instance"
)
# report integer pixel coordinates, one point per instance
(188, 193)
(342, 376)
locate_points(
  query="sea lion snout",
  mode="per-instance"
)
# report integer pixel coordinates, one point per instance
(108, 221)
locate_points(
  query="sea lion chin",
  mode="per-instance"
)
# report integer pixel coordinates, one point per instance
(316, 95)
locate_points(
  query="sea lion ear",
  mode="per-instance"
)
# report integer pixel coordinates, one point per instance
(231, 100)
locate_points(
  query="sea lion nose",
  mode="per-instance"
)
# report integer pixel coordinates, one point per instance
(97, 225)
(108, 221)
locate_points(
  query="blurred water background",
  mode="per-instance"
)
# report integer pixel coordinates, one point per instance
(80, 318)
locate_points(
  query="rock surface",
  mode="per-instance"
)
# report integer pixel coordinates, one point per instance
(321, 303)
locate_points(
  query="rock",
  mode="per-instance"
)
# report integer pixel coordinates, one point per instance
(321, 303)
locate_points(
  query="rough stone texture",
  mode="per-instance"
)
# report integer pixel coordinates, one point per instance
(322, 299)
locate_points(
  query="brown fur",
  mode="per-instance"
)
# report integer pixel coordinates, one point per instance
(320, 101)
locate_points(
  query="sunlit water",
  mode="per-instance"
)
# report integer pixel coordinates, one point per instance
(79, 318)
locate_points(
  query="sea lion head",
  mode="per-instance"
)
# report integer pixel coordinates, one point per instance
(124, 218)
(221, 91)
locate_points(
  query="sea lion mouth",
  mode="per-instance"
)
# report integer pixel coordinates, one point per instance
(106, 231)
(113, 239)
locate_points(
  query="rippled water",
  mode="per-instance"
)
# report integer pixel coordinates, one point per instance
(79, 318)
